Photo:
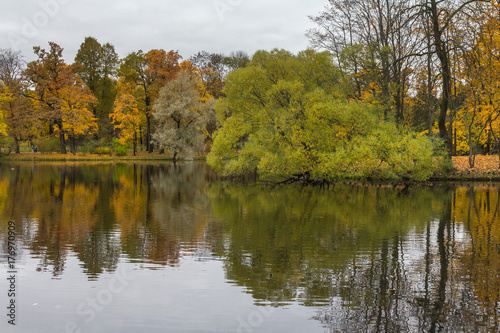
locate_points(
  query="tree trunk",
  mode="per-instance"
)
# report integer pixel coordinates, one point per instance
(454, 142)
(472, 157)
(487, 150)
(429, 97)
(496, 141)
(16, 141)
(451, 130)
(498, 153)
(135, 140)
(445, 101)
(149, 147)
(62, 142)
(472, 154)
(443, 56)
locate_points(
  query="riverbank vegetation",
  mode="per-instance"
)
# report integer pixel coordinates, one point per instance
(387, 94)
(287, 121)
(485, 169)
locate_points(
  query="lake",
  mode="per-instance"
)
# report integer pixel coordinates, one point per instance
(157, 247)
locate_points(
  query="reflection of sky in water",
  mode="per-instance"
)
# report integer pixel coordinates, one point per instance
(193, 297)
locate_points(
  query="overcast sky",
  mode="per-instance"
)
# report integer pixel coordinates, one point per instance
(188, 26)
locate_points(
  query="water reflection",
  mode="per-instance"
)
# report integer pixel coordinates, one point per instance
(367, 258)
(375, 259)
(145, 212)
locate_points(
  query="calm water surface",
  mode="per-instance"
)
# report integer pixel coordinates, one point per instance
(164, 248)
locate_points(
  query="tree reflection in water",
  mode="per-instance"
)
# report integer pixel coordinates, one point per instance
(367, 258)
(103, 212)
(373, 258)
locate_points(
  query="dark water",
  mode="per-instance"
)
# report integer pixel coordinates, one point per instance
(164, 248)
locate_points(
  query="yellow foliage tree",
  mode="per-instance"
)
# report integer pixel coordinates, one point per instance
(5, 97)
(127, 118)
(481, 72)
(76, 109)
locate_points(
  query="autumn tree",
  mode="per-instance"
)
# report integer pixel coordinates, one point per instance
(479, 71)
(212, 71)
(18, 115)
(425, 81)
(442, 16)
(182, 114)
(63, 99)
(214, 68)
(444, 34)
(76, 108)
(127, 118)
(371, 40)
(383, 42)
(236, 60)
(96, 65)
(3, 126)
(148, 73)
(11, 66)
(16, 108)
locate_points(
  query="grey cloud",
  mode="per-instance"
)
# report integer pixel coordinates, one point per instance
(187, 26)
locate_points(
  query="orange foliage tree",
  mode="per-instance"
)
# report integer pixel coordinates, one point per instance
(63, 99)
(148, 73)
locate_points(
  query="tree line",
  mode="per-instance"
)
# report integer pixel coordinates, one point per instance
(432, 64)
(100, 99)
(384, 83)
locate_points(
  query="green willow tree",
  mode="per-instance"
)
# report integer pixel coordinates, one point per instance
(285, 117)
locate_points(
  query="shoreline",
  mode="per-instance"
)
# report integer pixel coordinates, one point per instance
(486, 167)
(79, 157)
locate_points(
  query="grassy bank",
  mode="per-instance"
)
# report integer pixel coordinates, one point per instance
(57, 157)
(486, 168)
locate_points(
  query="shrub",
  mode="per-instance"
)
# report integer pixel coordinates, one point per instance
(47, 144)
(443, 161)
(7, 143)
(102, 151)
(88, 147)
(119, 149)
